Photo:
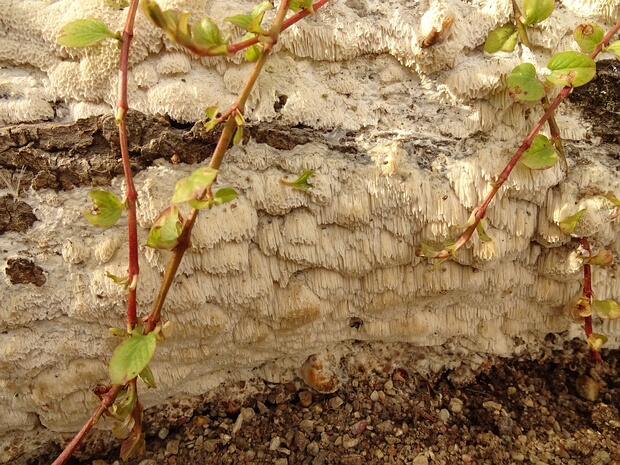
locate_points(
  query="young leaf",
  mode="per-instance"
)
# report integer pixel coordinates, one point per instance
(541, 154)
(166, 229)
(122, 280)
(568, 224)
(300, 183)
(84, 33)
(503, 39)
(147, 377)
(614, 48)
(238, 137)
(123, 426)
(596, 341)
(194, 186)
(616, 202)
(523, 84)
(588, 36)
(537, 10)
(224, 195)
(481, 232)
(608, 309)
(106, 211)
(118, 332)
(298, 5)
(211, 112)
(131, 357)
(602, 258)
(571, 69)
(251, 22)
(207, 33)
(428, 251)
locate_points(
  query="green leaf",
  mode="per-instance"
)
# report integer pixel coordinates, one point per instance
(602, 258)
(300, 183)
(588, 36)
(523, 84)
(238, 135)
(614, 48)
(537, 10)
(481, 232)
(596, 341)
(166, 229)
(195, 186)
(571, 69)
(211, 112)
(608, 309)
(251, 22)
(147, 377)
(121, 280)
(118, 332)
(224, 195)
(428, 251)
(84, 33)
(568, 224)
(541, 154)
(298, 5)
(106, 211)
(131, 357)
(616, 202)
(503, 39)
(207, 33)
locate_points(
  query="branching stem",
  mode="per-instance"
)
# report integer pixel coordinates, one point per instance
(480, 210)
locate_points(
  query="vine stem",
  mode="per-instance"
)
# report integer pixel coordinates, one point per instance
(132, 195)
(228, 132)
(106, 403)
(480, 210)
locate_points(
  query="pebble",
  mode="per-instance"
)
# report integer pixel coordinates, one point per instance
(163, 433)
(349, 442)
(305, 398)
(385, 427)
(313, 448)
(281, 461)
(359, 427)
(421, 459)
(307, 426)
(444, 415)
(335, 402)
(517, 456)
(490, 405)
(275, 443)
(172, 447)
(456, 405)
(587, 388)
(374, 396)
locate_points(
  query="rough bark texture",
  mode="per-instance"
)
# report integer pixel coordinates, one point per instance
(404, 142)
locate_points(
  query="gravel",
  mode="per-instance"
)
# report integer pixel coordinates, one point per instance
(512, 411)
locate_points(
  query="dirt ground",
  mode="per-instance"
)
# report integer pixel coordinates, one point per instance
(558, 408)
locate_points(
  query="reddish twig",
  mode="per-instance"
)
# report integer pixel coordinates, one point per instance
(132, 195)
(588, 295)
(480, 211)
(106, 403)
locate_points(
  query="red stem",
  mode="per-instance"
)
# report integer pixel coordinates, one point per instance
(588, 294)
(132, 194)
(106, 403)
(480, 211)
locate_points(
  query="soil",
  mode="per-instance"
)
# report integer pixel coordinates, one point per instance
(560, 407)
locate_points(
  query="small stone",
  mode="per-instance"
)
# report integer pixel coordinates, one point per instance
(307, 426)
(385, 427)
(210, 445)
(420, 459)
(587, 388)
(391, 450)
(305, 398)
(275, 443)
(389, 384)
(444, 415)
(281, 461)
(163, 433)
(348, 442)
(199, 442)
(490, 405)
(335, 402)
(456, 405)
(144, 462)
(512, 390)
(517, 456)
(374, 396)
(99, 462)
(172, 447)
(359, 427)
(466, 458)
(301, 441)
(313, 448)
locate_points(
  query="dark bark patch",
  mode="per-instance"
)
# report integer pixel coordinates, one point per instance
(22, 271)
(15, 215)
(599, 101)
